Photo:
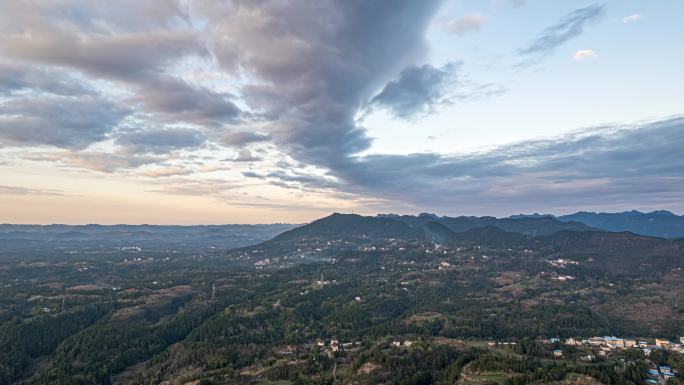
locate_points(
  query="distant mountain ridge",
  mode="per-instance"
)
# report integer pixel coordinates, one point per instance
(661, 223)
(529, 225)
(221, 236)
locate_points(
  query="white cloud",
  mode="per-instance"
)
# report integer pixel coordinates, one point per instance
(632, 18)
(585, 54)
(468, 23)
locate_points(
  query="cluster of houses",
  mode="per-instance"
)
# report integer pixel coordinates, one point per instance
(399, 344)
(335, 345)
(609, 343)
(561, 262)
(563, 277)
(332, 346)
(660, 375)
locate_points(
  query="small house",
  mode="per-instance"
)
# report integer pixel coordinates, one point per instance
(665, 369)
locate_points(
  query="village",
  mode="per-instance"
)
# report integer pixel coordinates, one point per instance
(604, 346)
(607, 344)
(592, 349)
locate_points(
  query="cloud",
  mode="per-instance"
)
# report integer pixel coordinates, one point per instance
(93, 17)
(252, 174)
(569, 27)
(125, 56)
(585, 54)
(192, 187)
(95, 160)
(303, 70)
(72, 123)
(313, 65)
(417, 90)
(466, 24)
(165, 172)
(240, 138)
(632, 18)
(15, 190)
(245, 155)
(124, 50)
(610, 166)
(176, 101)
(160, 141)
(15, 78)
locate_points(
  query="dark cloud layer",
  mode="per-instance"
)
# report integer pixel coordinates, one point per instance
(417, 90)
(614, 166)
(160, 141)
(317, 63)
(175, 100)
(602, 166)
(16, 78)
(58, 121)
(240, 138)
(98, 41)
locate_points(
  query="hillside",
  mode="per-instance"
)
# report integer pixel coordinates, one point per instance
(350, 226)
(254, 315)
(341, 234)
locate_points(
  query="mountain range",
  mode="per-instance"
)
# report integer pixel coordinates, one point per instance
(431, 227)
(661, 223)
(344, 234)
(146, 236)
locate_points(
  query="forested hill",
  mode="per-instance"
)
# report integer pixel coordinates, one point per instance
(351, 225)
(407, 298)
(329, 236)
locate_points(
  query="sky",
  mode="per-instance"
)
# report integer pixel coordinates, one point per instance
(263, 111)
